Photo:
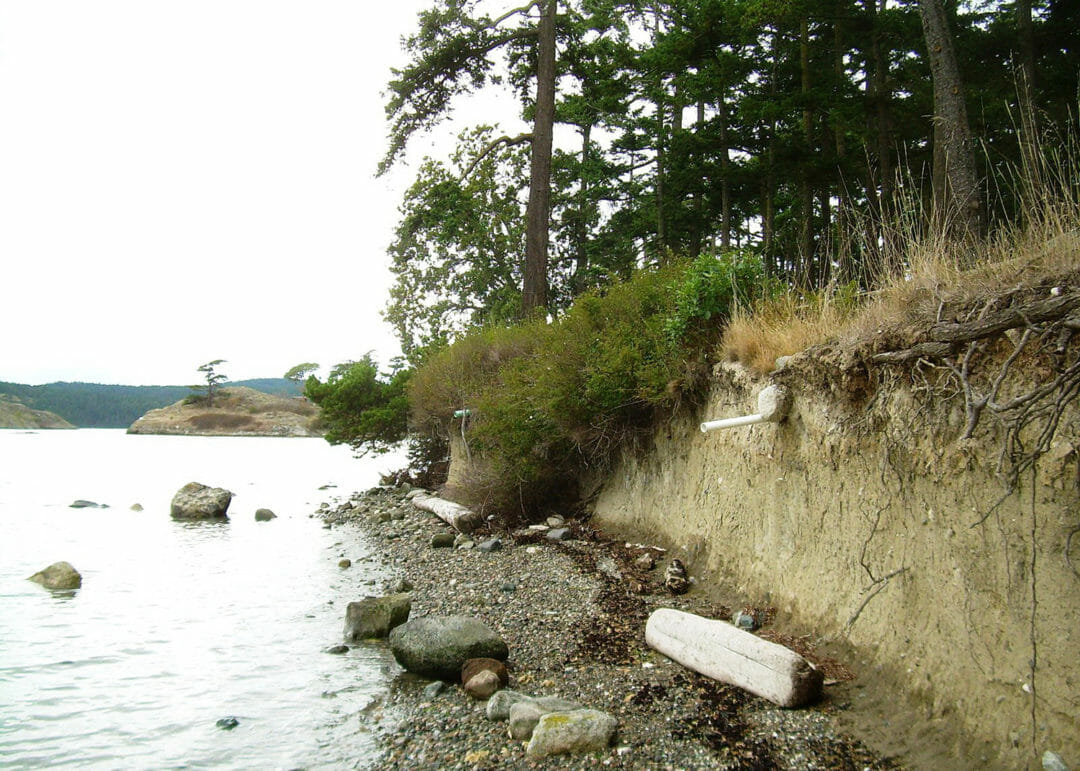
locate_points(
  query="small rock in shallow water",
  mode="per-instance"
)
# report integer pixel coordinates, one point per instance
(345, 563)
(81, 504)
(264, 515)
(376, 616)
(59, 575)
(227, 723)
(136, 507)
(338, 649)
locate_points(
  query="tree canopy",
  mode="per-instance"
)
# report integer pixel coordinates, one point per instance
(790, 127)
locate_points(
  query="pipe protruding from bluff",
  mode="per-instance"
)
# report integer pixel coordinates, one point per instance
(773, 404)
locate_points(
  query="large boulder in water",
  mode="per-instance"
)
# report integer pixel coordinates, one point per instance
(59, 575)
(196, 501)
(438, 646)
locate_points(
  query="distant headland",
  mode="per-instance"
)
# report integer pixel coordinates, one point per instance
(15, 414)
(235, 411)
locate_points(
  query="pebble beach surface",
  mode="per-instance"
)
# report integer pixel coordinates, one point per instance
(573, 613)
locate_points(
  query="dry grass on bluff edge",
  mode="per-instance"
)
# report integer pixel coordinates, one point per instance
(1042, 251)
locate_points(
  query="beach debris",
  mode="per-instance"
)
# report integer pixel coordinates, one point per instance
(723, 652)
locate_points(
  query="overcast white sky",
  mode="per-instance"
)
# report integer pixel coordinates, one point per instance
(188, 181)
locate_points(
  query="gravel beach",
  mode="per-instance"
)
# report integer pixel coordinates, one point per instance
(573, 613)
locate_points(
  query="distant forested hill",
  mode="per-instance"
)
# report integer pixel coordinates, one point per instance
(92, 405)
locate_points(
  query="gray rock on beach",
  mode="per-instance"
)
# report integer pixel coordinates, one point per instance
(376, 616)
(438, 646)
(582, 730)
(197, 501)
(59, 576)
(526, 714)
(523, 711)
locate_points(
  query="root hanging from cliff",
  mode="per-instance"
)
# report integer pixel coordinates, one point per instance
(1015, 363)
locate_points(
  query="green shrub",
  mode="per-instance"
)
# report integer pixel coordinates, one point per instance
(549, 400)
(362, 408)
(712, 288)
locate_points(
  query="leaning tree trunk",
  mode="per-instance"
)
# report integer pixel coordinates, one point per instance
(957, 206)
(534, 293)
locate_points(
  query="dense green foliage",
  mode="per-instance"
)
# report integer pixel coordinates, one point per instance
(92, 405)
(703, 125)
(548, 400)
(361, 407)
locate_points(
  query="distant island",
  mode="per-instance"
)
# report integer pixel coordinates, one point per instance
(236, 411)
(15, 414)
(95, 405)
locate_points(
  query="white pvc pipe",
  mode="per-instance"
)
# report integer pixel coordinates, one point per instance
(745, 420)
(773, 404)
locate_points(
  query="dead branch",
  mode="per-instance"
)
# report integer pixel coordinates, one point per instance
(1009, 318)
(520, 139)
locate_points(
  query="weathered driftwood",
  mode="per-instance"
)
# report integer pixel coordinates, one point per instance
(944, 337)
(454, 514)
(723, 652)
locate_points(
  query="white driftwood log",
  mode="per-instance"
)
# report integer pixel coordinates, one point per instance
(723, 652)
(454, 514)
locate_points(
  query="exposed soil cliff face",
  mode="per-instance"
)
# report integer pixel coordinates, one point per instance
(236, 411)
(865, 521)
(14, 414)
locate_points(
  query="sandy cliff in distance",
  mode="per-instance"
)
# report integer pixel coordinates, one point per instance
(14, 414)
(236, 411)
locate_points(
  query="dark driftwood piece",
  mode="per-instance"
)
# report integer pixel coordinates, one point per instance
(943, 337)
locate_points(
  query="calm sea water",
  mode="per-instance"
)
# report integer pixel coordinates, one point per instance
(178, 624)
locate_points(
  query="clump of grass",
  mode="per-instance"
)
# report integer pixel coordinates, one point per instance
(784, 325)
(922, 277)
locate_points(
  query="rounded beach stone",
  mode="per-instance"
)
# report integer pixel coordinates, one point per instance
(438, 646)
(482, 685)
(473, 667)
(264, 515)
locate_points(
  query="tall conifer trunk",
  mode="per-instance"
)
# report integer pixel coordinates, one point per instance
(534, 293)
(957, 206)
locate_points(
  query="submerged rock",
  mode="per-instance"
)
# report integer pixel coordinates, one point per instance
(197, 501)
(81, 504)
(59, 575)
